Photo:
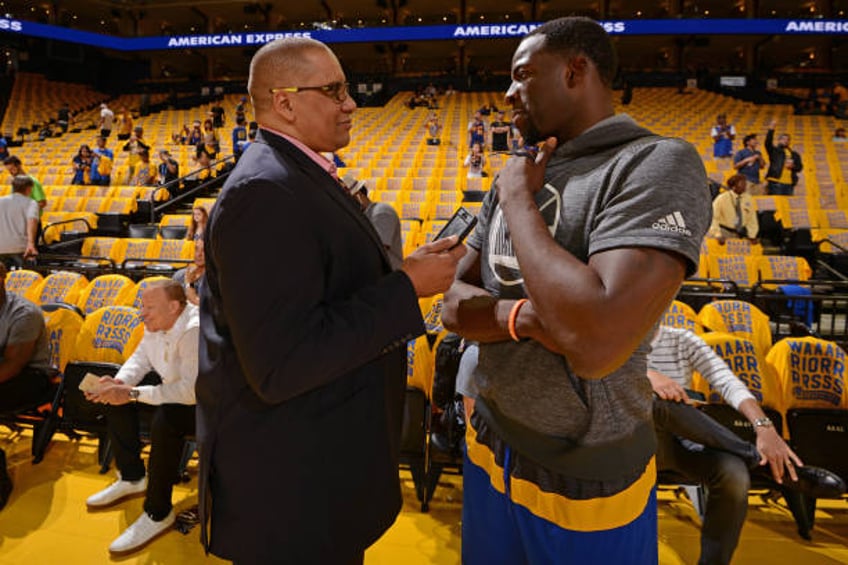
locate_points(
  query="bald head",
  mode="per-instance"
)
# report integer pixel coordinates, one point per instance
(283, 62)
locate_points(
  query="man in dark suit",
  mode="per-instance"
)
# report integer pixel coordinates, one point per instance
(303, 350)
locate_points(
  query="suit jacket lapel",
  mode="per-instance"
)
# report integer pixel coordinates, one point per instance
(327, 186)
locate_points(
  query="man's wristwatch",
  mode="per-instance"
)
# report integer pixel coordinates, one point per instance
(134, 392)
(763, 423)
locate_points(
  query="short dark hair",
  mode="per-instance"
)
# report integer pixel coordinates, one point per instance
(734, 179)
(573, 35)
(748, 138)
(12, 160)
(21, 182)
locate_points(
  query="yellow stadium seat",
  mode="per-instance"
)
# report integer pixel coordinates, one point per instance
(732, 246)
(681, 315)
(24, 283)
(740, 269)
(106, 290)
(176, 250)
(811, 372)
(71, 204)
(419, 368)
(108, 335)
(62, 286)
(62, 326)
(783, 268)
(118, 205)
(136, 251)
(747, 364)
(738, 318)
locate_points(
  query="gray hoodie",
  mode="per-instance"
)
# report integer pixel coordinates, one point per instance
(615, 185)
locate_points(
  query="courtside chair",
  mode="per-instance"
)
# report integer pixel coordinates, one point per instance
(106, 339)
(811, 373)
(24, 283)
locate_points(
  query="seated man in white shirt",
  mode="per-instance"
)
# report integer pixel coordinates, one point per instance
(169, 347)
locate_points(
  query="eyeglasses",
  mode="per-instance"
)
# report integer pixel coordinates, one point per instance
(337, 91)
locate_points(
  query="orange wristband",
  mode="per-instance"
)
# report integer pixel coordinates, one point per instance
(513, 316)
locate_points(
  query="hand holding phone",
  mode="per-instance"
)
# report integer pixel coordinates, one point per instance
(460, 224)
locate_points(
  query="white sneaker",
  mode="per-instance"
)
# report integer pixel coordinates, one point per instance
(116, 491)
(141, 532)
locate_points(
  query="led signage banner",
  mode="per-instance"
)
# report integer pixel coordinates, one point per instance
(423, 33)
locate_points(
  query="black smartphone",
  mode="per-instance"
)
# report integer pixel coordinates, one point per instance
(461, 224)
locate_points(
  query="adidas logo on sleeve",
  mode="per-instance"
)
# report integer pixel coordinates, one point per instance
(673, 222)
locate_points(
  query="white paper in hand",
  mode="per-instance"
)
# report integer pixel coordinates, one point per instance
(90, 383)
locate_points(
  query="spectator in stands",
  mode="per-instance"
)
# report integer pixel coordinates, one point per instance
(4, 148)
(478, 136)
(169, 171)
(209, 130)
(434, 129)
(144, 173)
(209, 146)
(107, 119)
(748, 161)
(169, 347)
(385, 220)
(344, 361)
(81, 163)
(784, 164)
(125, 124)
(734, 213)
(473, 129)
(199, 218)
(563, 407)
(15, 167)
(723, 463)
(839, 135)
(18, 223)
(24, 360)
(181, 137)
(195, 136)
(251, 138)
(63, 117)
(500, 132)
(475, 162)
(239, 136)
(136, 146)
(190, 277)
(46, 130)
(218, 113)
(241, 108)
(101, 164)
(723, 135)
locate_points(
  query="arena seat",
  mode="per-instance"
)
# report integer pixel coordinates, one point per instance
(76, 222)
(740, 269)
(61, 287)
(106, 340)
(813, 381)
(106, 290)
(739, 318)
(416, 415)
(747, 363)
(62, 326)
(681, 315)
(732, 246)
(24, 283)
(782, 267)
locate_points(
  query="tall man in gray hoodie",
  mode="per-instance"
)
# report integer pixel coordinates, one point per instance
(578, 251)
